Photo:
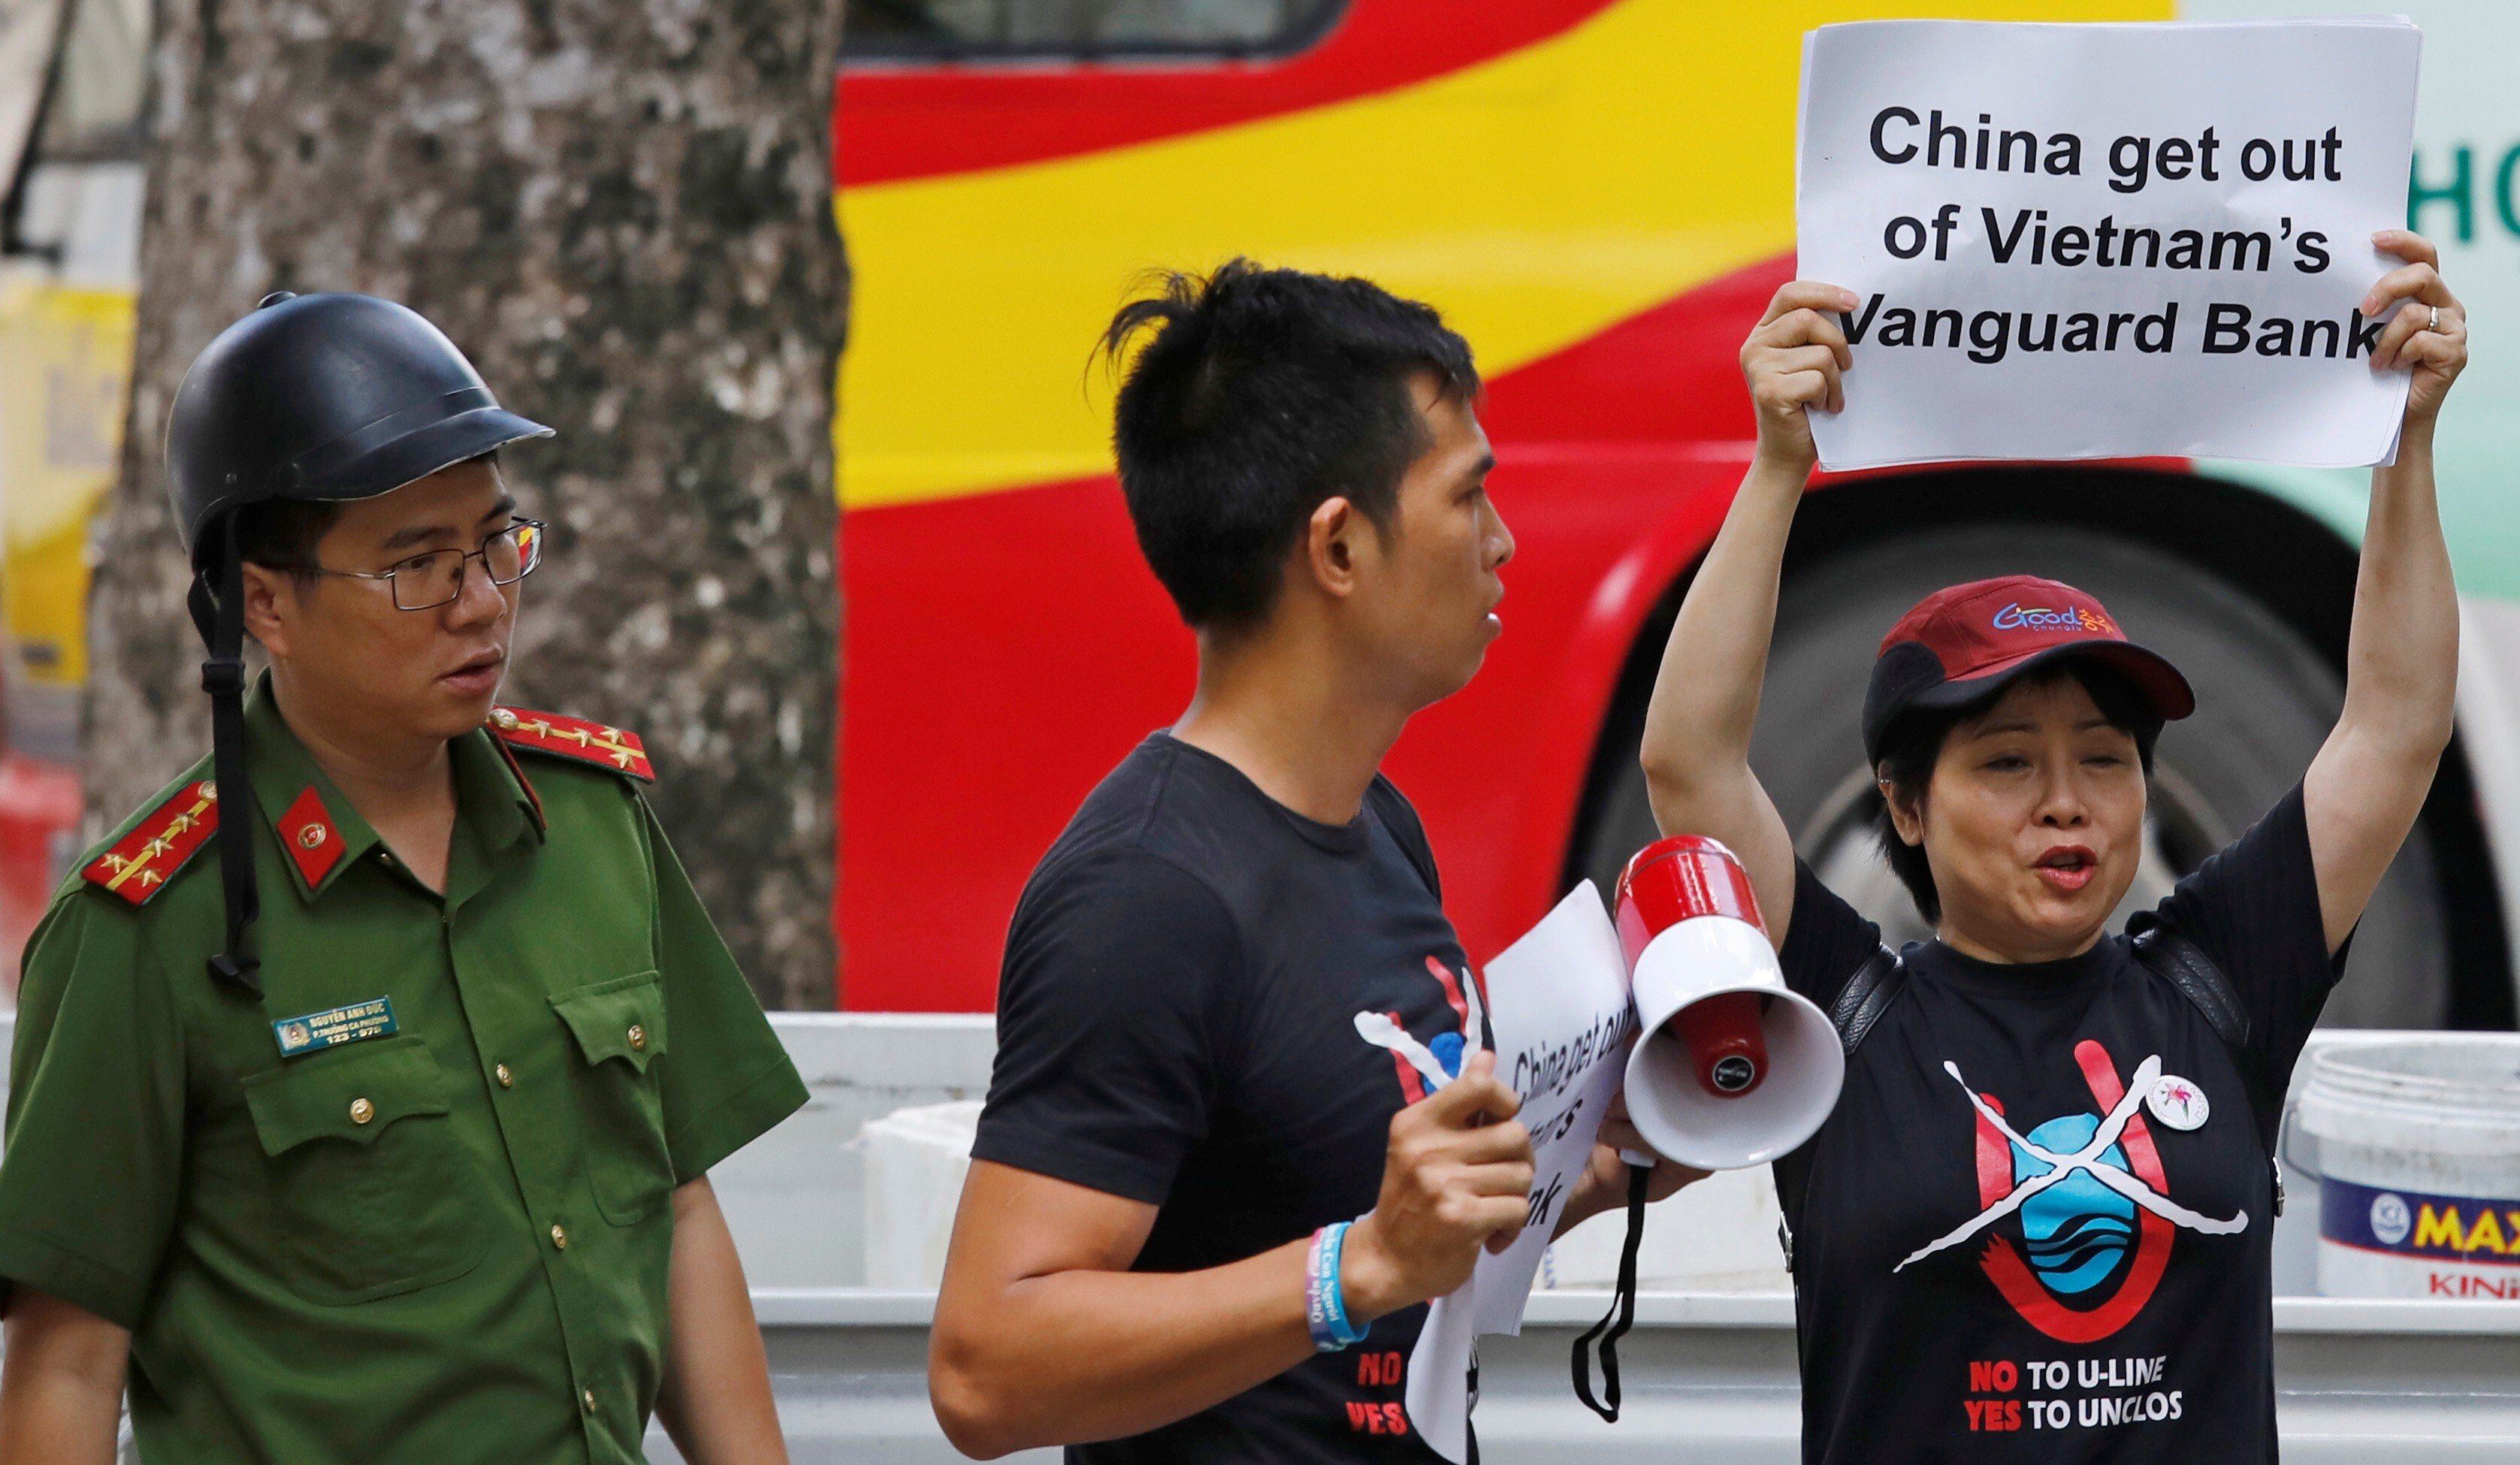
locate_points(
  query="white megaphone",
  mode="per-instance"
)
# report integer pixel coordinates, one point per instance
(1733, 1069)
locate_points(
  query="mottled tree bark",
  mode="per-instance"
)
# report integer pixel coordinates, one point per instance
(622, 212)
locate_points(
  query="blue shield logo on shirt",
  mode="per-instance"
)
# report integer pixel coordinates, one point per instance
(2077, 1230)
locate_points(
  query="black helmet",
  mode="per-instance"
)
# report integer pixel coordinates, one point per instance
(327, 398)
(323, 398)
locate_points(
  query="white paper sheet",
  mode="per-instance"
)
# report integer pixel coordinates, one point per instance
(1557, 1005)
(1438, 1393)
(1981, 225)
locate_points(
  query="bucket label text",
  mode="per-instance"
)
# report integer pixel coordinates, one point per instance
(2410, 1223)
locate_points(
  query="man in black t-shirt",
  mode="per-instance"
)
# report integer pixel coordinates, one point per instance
(1231, 984)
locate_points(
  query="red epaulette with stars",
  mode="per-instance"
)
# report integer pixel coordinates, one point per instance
(142, 861)
(575, 737)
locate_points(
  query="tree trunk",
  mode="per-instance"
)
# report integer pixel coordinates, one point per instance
(622, 213)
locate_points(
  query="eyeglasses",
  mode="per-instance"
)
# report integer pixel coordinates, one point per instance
(425, 582)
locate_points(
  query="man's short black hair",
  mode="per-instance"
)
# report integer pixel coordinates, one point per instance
(1914, 744)
(282, 534)
(1263, 393)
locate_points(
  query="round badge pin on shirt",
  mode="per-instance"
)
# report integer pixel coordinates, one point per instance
(2178, 1103)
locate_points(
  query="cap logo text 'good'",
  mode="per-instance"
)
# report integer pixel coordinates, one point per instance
(2019, 617)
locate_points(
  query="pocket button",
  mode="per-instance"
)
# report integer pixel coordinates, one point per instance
(361, 1111)
(638, 1038)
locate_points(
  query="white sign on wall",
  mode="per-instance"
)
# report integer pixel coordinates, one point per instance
(2107, 241)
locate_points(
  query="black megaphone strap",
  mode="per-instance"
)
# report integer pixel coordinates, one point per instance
(1614, 1324)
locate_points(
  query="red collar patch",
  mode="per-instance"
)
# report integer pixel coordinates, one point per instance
(573, 737)
(142, 861)
(313, 842)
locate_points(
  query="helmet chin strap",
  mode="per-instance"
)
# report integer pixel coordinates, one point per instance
(219, 614)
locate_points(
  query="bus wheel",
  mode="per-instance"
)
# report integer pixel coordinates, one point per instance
(2265, 698)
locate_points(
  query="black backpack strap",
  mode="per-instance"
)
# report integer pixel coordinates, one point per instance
(2183, 965)
(1867, 994)
(2168, 955)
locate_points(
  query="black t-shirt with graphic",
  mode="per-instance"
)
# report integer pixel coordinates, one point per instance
(1956, 1304)
(1177, 1025)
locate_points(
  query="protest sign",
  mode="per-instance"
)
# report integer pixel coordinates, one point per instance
(1558, 1007)
(2106, 241)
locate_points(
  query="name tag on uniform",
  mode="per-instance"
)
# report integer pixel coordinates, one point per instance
(373, 1018)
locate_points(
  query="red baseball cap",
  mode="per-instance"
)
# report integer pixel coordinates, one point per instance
(1963, 645)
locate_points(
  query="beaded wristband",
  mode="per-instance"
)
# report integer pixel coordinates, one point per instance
(1325, 1306)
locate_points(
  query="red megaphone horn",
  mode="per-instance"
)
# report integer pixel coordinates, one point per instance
(1733, 1069)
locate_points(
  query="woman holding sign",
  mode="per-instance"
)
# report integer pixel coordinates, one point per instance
(2037, 1224)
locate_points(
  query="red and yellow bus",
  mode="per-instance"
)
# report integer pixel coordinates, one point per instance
(1599, 194)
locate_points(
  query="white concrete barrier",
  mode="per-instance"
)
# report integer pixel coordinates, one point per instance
(1710, 1375)
(797, 1204)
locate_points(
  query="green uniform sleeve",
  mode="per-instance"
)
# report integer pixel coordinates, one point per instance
(725, 1077)
(94, 1131)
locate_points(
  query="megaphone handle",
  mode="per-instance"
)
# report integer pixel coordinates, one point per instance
(1614, 1324)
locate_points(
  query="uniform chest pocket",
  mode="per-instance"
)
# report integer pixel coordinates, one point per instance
(618, 1029)
(368, 1182)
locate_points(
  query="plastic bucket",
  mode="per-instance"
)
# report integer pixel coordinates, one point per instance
(2418, 1161)
(916, 1159)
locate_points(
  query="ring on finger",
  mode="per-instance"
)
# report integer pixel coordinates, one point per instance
(2434, 322)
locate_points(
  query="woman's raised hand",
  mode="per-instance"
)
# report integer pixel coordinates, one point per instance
(2410, 340)
(1794, 361)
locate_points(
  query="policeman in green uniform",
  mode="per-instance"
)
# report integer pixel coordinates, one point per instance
(383, 1133)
